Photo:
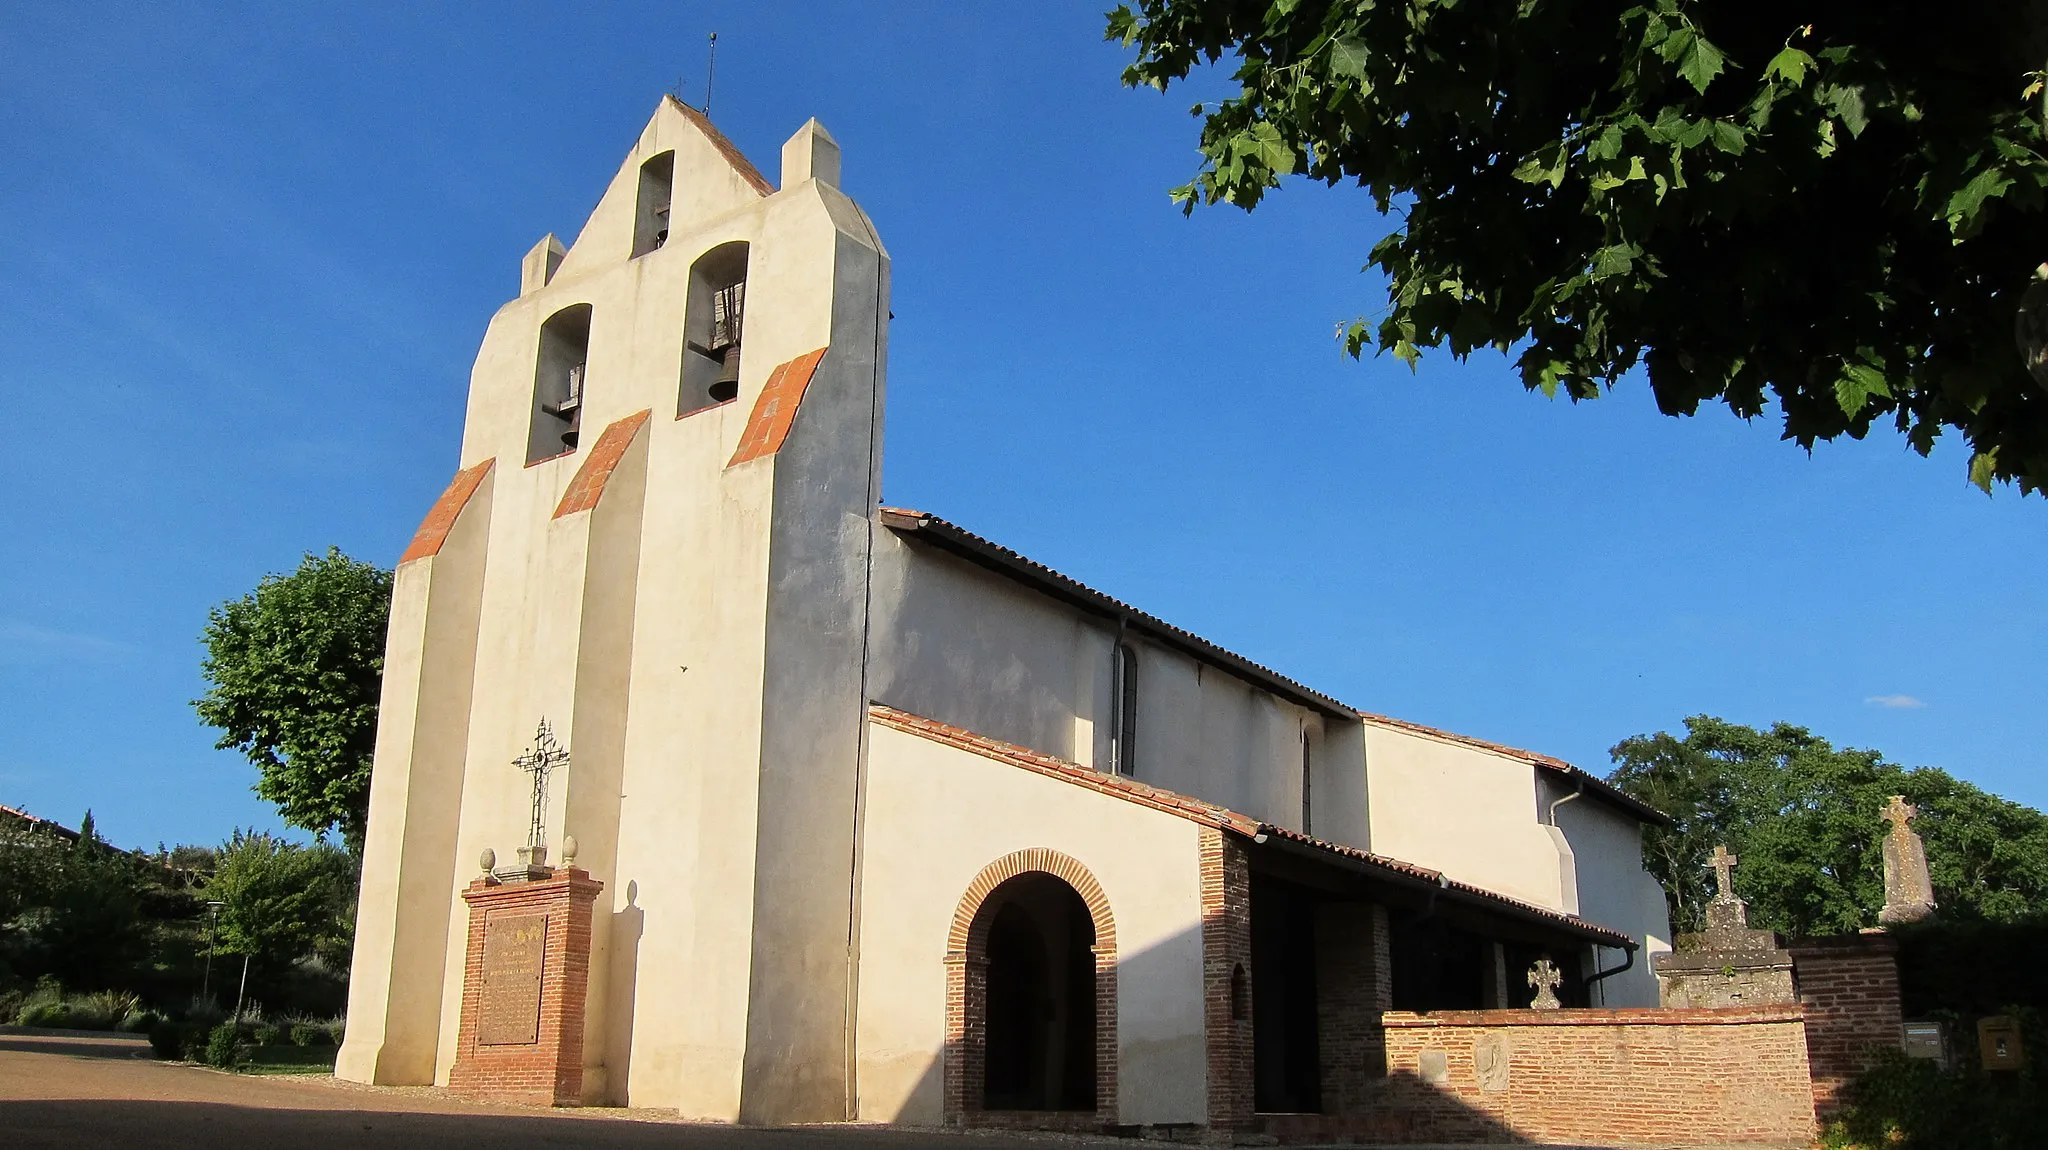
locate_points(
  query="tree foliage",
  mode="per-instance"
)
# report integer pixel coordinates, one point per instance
(1804, 818)
(1833, 203)
(281, 902)
(296, 668)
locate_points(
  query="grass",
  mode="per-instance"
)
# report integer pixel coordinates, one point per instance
(288, 1059)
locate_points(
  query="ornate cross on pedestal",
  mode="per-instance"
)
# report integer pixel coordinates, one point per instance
(1899, 812)
(1545, 977)
(540, 761)
(1723, 864)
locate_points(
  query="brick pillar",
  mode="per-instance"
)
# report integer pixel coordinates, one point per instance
(523, 988)
(1227, 981)
(1850, 989)
(1354, 986)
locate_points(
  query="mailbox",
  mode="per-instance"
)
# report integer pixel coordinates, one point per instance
(1998, 1043)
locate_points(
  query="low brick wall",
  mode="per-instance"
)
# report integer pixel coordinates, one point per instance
(1613, 1077)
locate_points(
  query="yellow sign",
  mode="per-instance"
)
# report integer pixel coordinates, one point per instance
(1998, 1043)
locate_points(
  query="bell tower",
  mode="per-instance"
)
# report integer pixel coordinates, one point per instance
(657, 539)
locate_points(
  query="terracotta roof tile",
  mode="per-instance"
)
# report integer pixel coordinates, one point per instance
(732, 154)
(598, 464)
(775, 408)
(446, 510)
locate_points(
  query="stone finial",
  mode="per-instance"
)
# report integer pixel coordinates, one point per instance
(488, 861)
(811, 154)
(1908, 888)
(539, 265)
(1545, 977)
(568, 852)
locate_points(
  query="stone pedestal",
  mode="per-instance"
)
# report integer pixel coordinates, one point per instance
(523, 989)
(1728, 964)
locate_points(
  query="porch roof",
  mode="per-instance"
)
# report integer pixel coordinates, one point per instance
(1269, 840)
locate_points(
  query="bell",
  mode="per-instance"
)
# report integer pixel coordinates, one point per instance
(727, 385)
(569, 438)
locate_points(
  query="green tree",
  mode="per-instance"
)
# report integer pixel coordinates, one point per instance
(295, 668)
(1836, 203)
(72, 909)
(282, 902)
(1804, 817)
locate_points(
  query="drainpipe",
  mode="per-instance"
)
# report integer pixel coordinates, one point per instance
(1628, 960)
(1568, 798)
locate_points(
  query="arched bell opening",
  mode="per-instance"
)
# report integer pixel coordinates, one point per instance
(558, 382)
(713, 328)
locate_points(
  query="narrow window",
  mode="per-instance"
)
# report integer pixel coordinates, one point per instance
(1307, 784)
(1240, 995)
(1124, 751)
(712, 323)
(558, 383)
(650, 221)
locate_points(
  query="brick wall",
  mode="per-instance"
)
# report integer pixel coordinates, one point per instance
(1354, 985)
(1850, 989)
(1227, 980)
(549, 1070)
(1613, 1077)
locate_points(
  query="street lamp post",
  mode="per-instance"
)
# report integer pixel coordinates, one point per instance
(212, 926)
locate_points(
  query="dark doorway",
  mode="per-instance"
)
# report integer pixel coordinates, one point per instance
(1286, 1075)
(1438, 967)
(1041, 997)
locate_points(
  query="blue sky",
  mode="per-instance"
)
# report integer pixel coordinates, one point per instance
(249, 251)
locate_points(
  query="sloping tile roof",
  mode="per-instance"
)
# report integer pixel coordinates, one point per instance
(775, 408)
(726, 148)
(599, 462)
(1224, 819)
(994, 556)
(446, 510)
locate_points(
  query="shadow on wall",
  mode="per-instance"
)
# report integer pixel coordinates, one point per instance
(627, 925)
(1161, 1060)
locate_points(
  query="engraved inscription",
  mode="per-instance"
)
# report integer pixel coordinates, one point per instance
(509, 1014)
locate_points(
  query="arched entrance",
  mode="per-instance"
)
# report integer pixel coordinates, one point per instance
(1031, 1002)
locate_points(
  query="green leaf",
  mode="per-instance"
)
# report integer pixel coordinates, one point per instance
(1983, 469)
(1262, 144)
(1701, 62)
(1789, 65)
(1348, 57)
(1969, 199)
(1614, 260)
(1729, 137)
(1537, 170)
(1856, 385)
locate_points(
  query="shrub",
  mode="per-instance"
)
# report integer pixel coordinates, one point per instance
(307, 1033)
(223, 1047)
(167, 1039)
(264, 1034)
(140, 1020)
(336, 1028)
(1911, 1104)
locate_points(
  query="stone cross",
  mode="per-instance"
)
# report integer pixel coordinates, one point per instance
(1544, 976)
(1908, 887)
(1724, 863)
(540, 761)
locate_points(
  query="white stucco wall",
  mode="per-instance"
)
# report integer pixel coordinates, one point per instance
(1465, 811)
(984, 652)
(1614, 889)
(936, 816)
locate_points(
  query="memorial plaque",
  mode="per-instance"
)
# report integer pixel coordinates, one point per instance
(514, 947)
(1490, 1062)
(1435, 1066)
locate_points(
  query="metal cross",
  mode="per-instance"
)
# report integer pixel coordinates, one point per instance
(540, 760)
(1724, 863)
(1545, 977)
(1899, 812)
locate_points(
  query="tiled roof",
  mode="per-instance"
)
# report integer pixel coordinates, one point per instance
(726, 148)
(924, 525)
(39, 823)
(1224, 819)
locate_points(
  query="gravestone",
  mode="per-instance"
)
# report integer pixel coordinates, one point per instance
(1908, 889)
(1728, 964)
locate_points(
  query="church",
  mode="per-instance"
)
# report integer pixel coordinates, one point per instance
(706, 782)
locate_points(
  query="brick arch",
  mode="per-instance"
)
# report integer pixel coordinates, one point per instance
(967, 984)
